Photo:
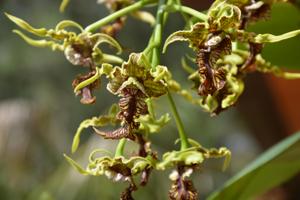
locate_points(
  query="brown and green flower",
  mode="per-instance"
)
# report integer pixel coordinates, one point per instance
(134, 82)
(116, 168)
(80, 48)
(186, 161)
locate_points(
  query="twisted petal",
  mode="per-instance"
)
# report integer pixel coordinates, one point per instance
(269, 38)
(144, 16)
(67, 23)
(196, 36)
(150, 124)
(266, 67)
(89, 81)
(24, 25)
(224, 16)
(194, 155)
(95, 121)
(63, 5)
(100, 38)
(39, 43)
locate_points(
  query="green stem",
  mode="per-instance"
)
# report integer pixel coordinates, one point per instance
(94, 26)
(156, 41)
(189, 11)
(120, 148)
(183, 138)
(157, 34)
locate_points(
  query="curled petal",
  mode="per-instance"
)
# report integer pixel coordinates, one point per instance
(151, 124)
(76, 165)
(87, 97)
(85, 84)
(100, 38)
(269, 38)
(95, 121)
(131, 81)
(122, 132)
(88, 81)
(196, 36)
(67, 23)
(266, 67)
(39, 43)
(144, 16)
(63, 5)
(24, 25)
(224, 16)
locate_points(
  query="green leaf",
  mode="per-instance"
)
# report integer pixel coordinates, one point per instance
(272, 168)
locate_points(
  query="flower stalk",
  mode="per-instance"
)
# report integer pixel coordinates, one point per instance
(184, 144)
(134, 7)
(157, 40)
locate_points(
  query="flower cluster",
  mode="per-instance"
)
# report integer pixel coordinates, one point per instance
(225, 53)
(222, 66)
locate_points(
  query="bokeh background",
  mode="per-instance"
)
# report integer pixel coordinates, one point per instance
(39, 113)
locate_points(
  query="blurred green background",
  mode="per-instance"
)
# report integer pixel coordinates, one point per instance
(39, 113)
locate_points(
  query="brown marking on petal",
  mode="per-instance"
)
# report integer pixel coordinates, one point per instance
(80, 53)
(213, 78)
(182, 189)
(121, 168)
(205, 71)
(122, 132)
(132, 105)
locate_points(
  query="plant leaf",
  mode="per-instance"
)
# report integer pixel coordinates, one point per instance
(272, 168)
